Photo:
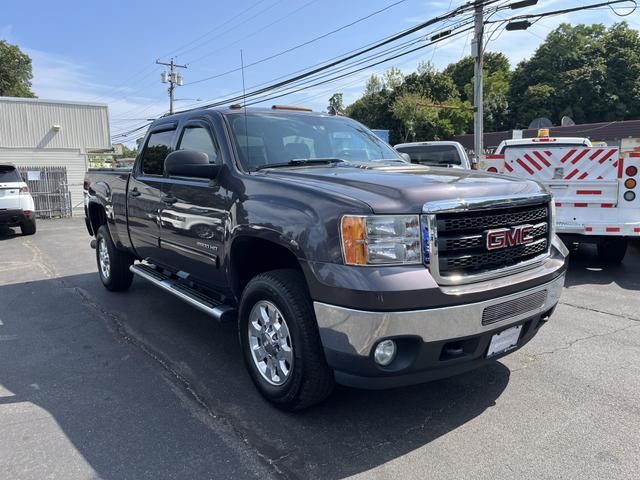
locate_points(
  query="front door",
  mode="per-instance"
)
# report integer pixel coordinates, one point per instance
(194, 214)
(144, 194)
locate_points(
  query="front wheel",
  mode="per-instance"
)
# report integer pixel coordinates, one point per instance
(613, 249)
(280, 341)
(113, 264)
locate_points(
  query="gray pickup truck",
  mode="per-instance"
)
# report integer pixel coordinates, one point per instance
(340, 261)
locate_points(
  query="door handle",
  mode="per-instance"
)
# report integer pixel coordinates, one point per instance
(168, 199)
(135, 193)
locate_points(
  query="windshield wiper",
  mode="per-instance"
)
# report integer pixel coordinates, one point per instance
(300, 162)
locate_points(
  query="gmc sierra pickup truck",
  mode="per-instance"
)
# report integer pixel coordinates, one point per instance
(340, 261)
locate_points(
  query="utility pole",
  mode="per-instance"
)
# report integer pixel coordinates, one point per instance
(478, 99)
(172, 78)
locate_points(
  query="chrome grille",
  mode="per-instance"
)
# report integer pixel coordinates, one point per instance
(457, 233)
(513, 308)
(465, 223)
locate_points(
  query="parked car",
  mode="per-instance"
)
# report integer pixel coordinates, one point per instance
(595, 188)
(436, 154)
(340, 261)
(16, 204)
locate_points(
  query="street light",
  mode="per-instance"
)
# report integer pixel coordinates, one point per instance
(521, 25)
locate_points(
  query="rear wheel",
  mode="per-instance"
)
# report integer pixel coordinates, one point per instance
(113, 264)
(28, 226)
(612, 250)
(280, 341)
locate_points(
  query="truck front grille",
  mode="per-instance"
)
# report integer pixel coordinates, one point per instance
(471, 245)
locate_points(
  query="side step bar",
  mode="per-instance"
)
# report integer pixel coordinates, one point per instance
(217, 310)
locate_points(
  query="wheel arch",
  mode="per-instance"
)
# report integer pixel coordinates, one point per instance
(251, 255)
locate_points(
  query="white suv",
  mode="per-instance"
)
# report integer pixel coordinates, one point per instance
(16, 204)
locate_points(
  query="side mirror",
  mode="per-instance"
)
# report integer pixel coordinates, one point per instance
(190, 163)
(405, 156)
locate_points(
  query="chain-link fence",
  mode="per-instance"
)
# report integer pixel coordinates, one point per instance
(49, 189)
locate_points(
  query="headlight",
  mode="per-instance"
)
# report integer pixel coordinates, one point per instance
(381, 239)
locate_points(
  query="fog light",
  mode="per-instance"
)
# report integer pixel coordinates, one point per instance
(385, 352)
(629, 196)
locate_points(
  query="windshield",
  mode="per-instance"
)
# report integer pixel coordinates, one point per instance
(432, 154)
(283, 137)
(9, 174)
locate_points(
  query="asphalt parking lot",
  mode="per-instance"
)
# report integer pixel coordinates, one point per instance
(138, 385)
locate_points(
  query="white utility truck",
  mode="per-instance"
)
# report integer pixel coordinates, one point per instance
(595, 188)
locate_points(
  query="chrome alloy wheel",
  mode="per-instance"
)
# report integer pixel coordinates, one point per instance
(270, 343)
(104, 260)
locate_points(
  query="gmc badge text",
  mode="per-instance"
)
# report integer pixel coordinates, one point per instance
(339, 261)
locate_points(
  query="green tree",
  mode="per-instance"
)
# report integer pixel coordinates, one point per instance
(571, 63)
(462, 72)
(412, 109)
(393, 78)
(335, 104)
(373, 85)
(15, 72)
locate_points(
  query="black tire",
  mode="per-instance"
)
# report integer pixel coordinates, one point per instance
(28, 227)
(612, 250)
(119, 277)
(310, 379)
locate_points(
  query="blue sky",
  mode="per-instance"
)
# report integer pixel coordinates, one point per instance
(105, 51)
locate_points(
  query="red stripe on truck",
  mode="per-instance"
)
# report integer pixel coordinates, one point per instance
(508, 167)
(620, 167)
(541, 158)
(588, 229)
(607, 156)
(532, 161)
(637, 230)
(606, 205)
(568, 155)
(583, 176)
(589, 192)
(596, 153)
(579, 156)
(571, 175)
(525, 166)
(580, 205)
(612, 229)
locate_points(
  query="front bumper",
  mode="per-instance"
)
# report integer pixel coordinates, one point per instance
(427, 338)
(12, 217)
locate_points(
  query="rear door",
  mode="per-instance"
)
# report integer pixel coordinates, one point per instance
(10, 183)
(144, 193)
(576, 175)
(194, 213)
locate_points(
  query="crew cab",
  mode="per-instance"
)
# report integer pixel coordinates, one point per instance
(17, 208)
(436, 153)
(595, 187)
(339, 261)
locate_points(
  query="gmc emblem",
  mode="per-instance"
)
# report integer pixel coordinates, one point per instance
(508, 237)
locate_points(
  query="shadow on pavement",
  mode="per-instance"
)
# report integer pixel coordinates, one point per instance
(103, 390)
(7, 233)
(586, 268)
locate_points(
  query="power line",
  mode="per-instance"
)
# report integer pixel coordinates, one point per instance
(300, 45)
(358, 53)
(235, 42)
(343, 59)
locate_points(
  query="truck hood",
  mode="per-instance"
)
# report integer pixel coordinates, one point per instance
(405, 188)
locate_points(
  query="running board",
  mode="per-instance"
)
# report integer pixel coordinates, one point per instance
(217, 310)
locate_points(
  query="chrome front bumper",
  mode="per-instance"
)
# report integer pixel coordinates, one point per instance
(356, 332)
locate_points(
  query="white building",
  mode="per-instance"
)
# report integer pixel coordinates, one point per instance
(35, 132)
